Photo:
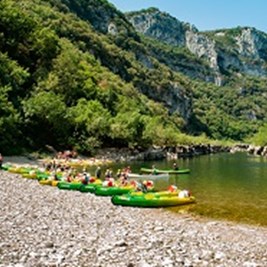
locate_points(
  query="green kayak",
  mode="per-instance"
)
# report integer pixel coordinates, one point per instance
(49, 182)
(155, 194)
(69, 186)
(150, 200)
(29, 175)
(46, 175)
(113, 190)
(42, 176)
(19, 170)
(5, 167)
(170, 171)
(90, 187)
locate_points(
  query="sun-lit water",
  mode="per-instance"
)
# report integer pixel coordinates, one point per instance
(226, 186)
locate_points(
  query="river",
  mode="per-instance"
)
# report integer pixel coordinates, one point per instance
(226, 186)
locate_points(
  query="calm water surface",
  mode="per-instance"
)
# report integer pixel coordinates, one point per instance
(226, 186)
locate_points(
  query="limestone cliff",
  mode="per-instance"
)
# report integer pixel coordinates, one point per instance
(162, 26)
(226, 51)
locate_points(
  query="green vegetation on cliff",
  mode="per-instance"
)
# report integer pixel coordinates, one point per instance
(55, 89)
(66, 81)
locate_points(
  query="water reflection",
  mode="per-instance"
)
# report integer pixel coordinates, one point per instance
(226, 186)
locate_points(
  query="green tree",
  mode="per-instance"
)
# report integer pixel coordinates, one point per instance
(72, 75)
(160, 133)
(260, 138)
(46, 118)
(127, 128)
(91, 122)
(10, 122)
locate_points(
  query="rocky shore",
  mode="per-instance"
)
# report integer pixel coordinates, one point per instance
(250, 149)
(44, 226)
(180, 151)
(108, 155)
(159, 153)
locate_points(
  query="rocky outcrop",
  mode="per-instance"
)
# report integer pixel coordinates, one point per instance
(173, 99)
(239, 148)
(250, 149)
(160, 153)
(185, 151)
(103, 16)
(252, 43)
(112, 29)
(204, 47)
(167, 29)
(257, 150)
(173, 96)
(180, 151)
(160, 25)
(170, 30)
(235, 50)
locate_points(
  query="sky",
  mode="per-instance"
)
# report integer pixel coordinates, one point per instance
(206, 14)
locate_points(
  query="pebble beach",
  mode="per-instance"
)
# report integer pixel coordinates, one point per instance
(45, 226)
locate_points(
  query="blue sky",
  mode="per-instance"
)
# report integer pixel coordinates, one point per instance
(207, 14)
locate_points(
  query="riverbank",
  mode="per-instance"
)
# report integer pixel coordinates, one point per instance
(108, 155)
(160, 153)
(44, 226)
(250, 149)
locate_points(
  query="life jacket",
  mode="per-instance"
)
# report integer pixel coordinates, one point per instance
(172, 188)
(184, 194)
(109, 182)
(92, 179)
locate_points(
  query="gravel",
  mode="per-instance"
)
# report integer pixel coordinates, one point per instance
(45, 226)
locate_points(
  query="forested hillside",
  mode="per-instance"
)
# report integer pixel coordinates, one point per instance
(77, 74)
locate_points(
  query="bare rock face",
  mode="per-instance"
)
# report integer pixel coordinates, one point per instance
(160, 25)
(103, 16)
(251, 43)
(177, 100)
(236, 50)
(112, 29)
(204, 47)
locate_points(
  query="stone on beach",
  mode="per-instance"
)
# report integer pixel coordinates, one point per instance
(45, 226)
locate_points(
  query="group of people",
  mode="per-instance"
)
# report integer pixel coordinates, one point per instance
(121, 175)
(67, 154)
(70, 174)
(66, 172)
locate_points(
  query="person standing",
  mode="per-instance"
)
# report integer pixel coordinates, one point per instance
(154, 170)
(108, 174)
(98, 172)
